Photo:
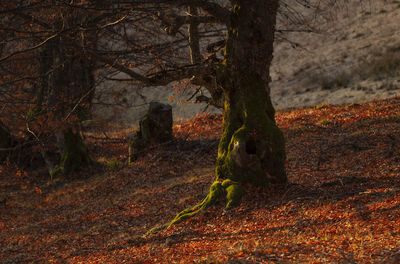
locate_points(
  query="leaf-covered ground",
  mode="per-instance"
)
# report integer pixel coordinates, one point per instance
(342, 204)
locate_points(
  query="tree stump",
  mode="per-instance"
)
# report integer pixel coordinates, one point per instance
(5, 141)
(155, 128)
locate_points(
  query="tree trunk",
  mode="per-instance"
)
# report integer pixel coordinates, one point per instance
(67, 89)
(70, 97)
(5, 141)
(75, 154)
(252, 147)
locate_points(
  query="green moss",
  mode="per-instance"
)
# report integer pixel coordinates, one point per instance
(114, 165)
(321, 106)
(237, 165)
(156, 229)
(57, 172)
(74, 156)
(235, 8)
(324, 122)
(251, 120)
(248, 170)
(231, 189)
(215, 192)
(226, 183)
(234, 193)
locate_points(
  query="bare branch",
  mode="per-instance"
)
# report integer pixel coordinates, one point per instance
(166, 77)
(215, 10)
(173, 23)
(29, 49)
(157, 79)
(222, 14)
(195, 55)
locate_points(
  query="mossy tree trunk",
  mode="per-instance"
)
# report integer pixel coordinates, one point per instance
(75, 154)
(252, 147)
(67, 89)
(67, 86)
(71, 92)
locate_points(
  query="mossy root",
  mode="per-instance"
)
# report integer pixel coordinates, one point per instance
(231, 189)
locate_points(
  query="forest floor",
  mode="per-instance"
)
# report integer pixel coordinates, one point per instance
(342, 203)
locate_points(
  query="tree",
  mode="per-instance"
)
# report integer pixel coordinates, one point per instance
(67, 84)
(252, 148)
(54, 78)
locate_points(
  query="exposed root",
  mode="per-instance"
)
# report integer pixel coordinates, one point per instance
(230, 189)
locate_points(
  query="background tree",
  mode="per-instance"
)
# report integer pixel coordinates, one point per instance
(48, 79)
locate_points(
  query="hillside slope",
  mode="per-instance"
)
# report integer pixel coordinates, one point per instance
(353, 58)
(342, 204)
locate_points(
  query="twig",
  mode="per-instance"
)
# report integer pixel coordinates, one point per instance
(196, 92)
(46, 159)
(77, 104)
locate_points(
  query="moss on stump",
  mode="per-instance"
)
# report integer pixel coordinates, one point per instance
(75, 154)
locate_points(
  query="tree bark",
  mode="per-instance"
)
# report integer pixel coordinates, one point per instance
(5, 141)
(75, 154)
(252, 147)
